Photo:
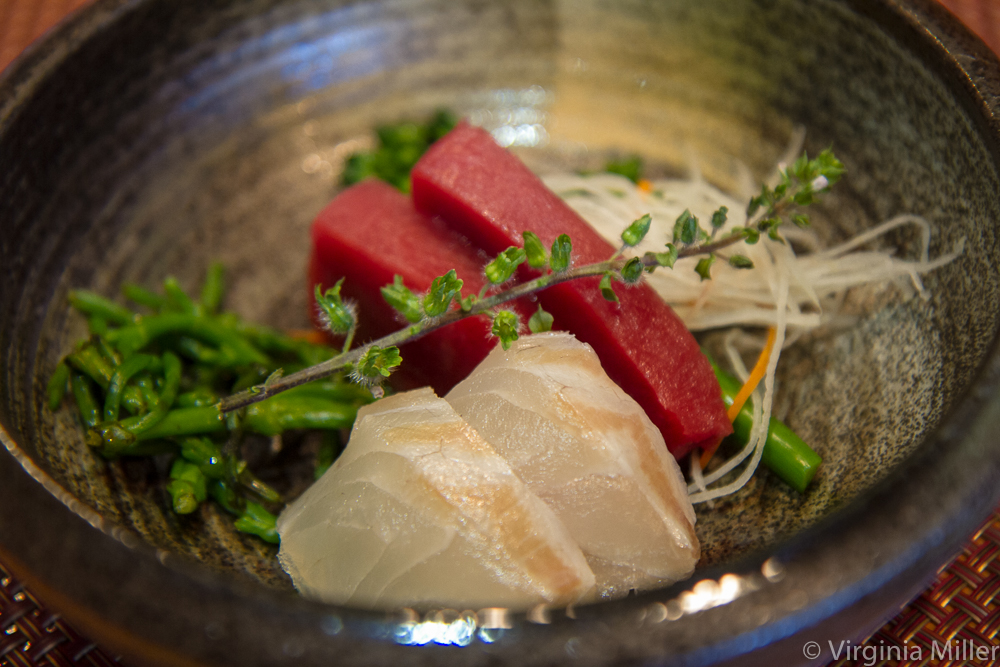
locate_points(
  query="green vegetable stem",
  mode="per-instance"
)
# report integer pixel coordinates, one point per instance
(785, 453)
(149, 383)
(258, 521)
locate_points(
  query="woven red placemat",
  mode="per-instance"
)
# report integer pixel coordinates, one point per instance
(32, 636)
(23, 21)
(945, 626)
(982, 16)
(950, 622)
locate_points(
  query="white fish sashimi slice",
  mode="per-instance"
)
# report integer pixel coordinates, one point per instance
(589, 451)
(420, 510)
(340, 556)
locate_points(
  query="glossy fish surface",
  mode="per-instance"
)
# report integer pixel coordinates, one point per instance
(419, 510)
(589, 451)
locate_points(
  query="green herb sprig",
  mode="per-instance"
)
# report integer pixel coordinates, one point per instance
(444, 303)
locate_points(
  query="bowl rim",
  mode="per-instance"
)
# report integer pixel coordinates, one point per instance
(47, 559)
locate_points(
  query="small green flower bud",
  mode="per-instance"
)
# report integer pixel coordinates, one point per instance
(636, 232)
(502, 268)
(505, 326)
(562, 251)
(632, 271)
(537, 257)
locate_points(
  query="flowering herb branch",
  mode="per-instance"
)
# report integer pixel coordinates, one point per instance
(444, 304)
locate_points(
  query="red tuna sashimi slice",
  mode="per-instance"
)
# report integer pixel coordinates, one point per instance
(371, 232)
(486, 194)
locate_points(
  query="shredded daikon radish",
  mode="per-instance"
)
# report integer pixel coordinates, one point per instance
(738, 297)
(734, 356)
(697, 479)
(758, 434)
(794, 292)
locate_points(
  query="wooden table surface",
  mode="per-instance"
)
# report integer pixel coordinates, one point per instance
(964, 602)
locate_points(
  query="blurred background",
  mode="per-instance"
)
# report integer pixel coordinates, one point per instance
(23, 21)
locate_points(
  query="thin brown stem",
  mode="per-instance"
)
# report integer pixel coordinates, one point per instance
(260, 392)
(348, 359)
(711, 247)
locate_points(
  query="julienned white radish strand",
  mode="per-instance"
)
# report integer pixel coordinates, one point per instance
(762, 416)
(733, 355)
(879, 230)
(731, 463)
(793, 291)
(697, 479)
(751, 446)
(738, 297)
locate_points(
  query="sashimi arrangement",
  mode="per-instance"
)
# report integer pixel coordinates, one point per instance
(535, 479)
(505, 468)
(486, 195)
(492, 199)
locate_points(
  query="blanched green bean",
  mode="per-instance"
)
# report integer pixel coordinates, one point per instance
(90, 414)
(206, 455)
(333, 390)
(171, 379)
(197, 398)
(259, 488)
(116, 385)
(186, 421)
(97, 325)
(92, 303)
(187, 486)
(111, 438)
(198, 351)
(278, 414)
(258, 521)
(270, 417)
(137, 335)
(143, 297)
(213, 288)
(226, 496)
(92, 363)
(785, 453)
(110, 354)
(168, 369)
(275, 342)
(178, 299)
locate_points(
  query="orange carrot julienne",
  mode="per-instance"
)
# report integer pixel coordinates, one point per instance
(708, 452)
(756, 375)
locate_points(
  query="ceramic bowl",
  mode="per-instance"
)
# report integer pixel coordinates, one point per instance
(146, 138)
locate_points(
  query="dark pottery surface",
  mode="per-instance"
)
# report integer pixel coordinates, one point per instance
(146, 138)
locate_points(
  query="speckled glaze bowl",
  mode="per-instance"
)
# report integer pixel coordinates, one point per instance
(145, 138)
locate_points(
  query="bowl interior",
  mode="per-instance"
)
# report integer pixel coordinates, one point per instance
(182, 134)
